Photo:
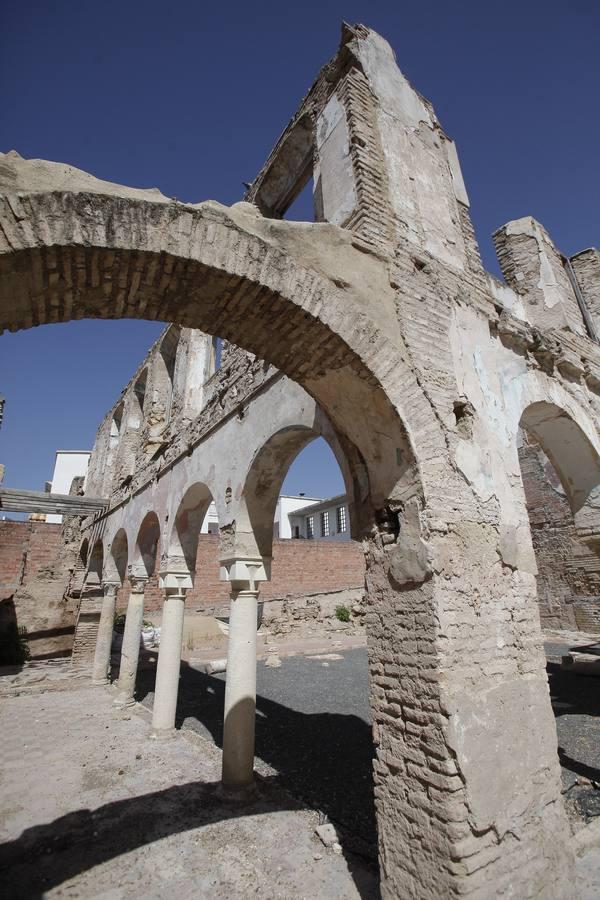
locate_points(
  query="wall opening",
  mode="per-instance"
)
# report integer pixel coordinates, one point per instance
(116, 426)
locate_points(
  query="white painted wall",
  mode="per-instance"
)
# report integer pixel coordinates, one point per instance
(331, 506)
(286, 505)
(211, 518)
(69, 464)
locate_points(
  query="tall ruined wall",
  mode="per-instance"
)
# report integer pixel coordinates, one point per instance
(586, 268)
(568, 579)
(164, 395)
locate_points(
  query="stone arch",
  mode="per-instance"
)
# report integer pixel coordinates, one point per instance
(266, 286)
(182, 542)
(139, 394)
(118, 558)
(95, 565)
(164, 376)
(310, 301)
(262, 485)
(116, 426)
(146, 546)
(574, 458)
(82, 558)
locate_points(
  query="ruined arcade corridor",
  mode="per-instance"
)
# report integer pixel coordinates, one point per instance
(402, 693)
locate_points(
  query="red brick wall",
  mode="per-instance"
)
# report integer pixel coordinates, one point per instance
(25, 547)
(299, 567)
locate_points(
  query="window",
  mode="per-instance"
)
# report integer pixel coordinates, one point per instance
(325, 524)
(213, 527)
(341, 519)
(310, 527)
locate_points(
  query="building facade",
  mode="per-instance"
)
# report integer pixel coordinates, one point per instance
(325, 520)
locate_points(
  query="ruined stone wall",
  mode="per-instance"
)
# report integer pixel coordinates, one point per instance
(25, 547)
(35, 567)
(568, 579)
(164, 395)
(427, 369)
(586, 267)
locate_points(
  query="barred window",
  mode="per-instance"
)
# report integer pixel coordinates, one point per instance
(310, 527)
(324, 524)
(341, 519)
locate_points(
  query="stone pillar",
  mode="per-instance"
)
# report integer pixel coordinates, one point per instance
(175, 585)
(243, 573)
(240, 692)
(131, 641)
(101, 667)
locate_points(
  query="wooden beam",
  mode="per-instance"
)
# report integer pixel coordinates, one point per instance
(15, 500)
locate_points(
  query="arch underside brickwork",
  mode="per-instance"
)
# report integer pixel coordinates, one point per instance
(66, 256)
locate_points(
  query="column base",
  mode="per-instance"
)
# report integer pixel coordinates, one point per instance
(245, 793)
(163, 734)
(123, 702)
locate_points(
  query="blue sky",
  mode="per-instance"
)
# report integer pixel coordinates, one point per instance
(189, 97)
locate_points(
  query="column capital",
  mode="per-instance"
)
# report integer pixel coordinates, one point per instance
(110, 588)
(244, 572)
(138, 583)
(174, 580)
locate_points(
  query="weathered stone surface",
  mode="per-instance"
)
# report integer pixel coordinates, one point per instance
(422, 369)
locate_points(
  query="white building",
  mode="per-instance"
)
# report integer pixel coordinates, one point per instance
(69, 464)
(286, 505)
(293, 516)
(324, 520)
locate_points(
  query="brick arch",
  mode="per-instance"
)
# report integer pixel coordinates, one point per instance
(262, 483)
(117, 559)
(146, 546)
(181, 544)
(574, 457)
(124, 253)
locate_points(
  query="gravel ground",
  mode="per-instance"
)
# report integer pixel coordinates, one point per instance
(314, 732)
(312, 729)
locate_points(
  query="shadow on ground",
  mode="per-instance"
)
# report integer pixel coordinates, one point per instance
(324, 759)
(47, 855)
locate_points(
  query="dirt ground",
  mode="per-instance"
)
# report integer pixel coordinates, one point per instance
(94, 807)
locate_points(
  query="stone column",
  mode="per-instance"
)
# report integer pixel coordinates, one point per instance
(175, 586)
(101, 667)
(132, 636)
(240, 692)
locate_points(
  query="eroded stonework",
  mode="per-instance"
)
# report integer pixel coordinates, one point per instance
(424, 369)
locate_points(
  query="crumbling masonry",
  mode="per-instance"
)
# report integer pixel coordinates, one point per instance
(425, 370)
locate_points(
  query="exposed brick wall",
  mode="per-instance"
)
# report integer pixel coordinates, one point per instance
(25, 547)
(568, 571)
(299, 567)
